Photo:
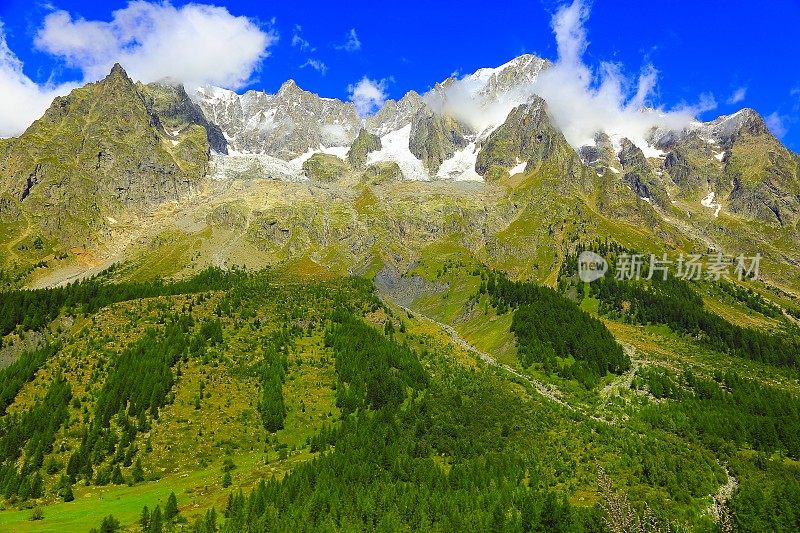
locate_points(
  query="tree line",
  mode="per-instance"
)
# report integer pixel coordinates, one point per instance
(35, 309)
(674, 303)
(549, 326)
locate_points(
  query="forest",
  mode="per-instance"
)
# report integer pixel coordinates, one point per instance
(548, 326)
(725, 411)
(377, 471)
(35, 309)
(674, 303)
(417, 440)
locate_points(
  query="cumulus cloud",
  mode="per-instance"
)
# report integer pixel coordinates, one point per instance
(22, 100)
(195, 44)
(368, 95)
(737, 96)
(352, 43)
(581, 100)
(776, 124)
(317, 65)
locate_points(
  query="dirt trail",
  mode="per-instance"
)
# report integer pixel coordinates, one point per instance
(548, 392)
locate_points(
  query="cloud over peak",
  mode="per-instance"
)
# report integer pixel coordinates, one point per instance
(581, 100)
(368, 95)
(23, 100)
(195, 44)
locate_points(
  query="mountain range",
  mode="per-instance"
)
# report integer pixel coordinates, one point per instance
(115, 165)
(265, 312)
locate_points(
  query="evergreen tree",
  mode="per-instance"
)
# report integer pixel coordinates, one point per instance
(110, 525)
(144, 519)
(156, 521)
(64, 489)
(116, 477)
(171, 508)
(137, 473)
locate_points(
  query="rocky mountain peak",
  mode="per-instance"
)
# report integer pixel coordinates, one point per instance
(117, 72)
(527, 136)
(176, 112)
(290, 87)
(726, 129)
(395, 114)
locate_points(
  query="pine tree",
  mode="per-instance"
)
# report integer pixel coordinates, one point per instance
(156, 521)
(227, 480)
(171, 508)
(116, 476)
(144, 519)
(137, 473)
(110, 525)
(65, 489)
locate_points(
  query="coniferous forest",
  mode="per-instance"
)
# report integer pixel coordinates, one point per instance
(240, 401)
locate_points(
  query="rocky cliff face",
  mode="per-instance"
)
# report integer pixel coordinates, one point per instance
(736, 157)
(285, 125)
(639, 175)
(435, 138)
(527, 136)
(176, 112)
(96, 153)
(394, 115)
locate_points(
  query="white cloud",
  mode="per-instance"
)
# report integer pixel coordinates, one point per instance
(737, 96)
(776, 124)
(352, 43)
(21, 99)
(334, 135)
(368, 95)
(581, 101)
(317, 65)
(298, 41)
(196, 44)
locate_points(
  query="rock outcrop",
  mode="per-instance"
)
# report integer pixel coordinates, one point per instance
(435, 138)
(361, 147)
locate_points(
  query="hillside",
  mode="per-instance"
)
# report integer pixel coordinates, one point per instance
(258, 312)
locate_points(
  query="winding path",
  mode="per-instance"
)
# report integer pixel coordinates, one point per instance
(548, 392)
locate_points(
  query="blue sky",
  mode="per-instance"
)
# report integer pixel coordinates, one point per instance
(741, 53)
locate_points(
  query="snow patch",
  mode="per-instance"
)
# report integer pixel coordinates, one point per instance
(461, 167)
(709, 202)
(298, 161)
(395, 148)
(518, 169)
(338, 151)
